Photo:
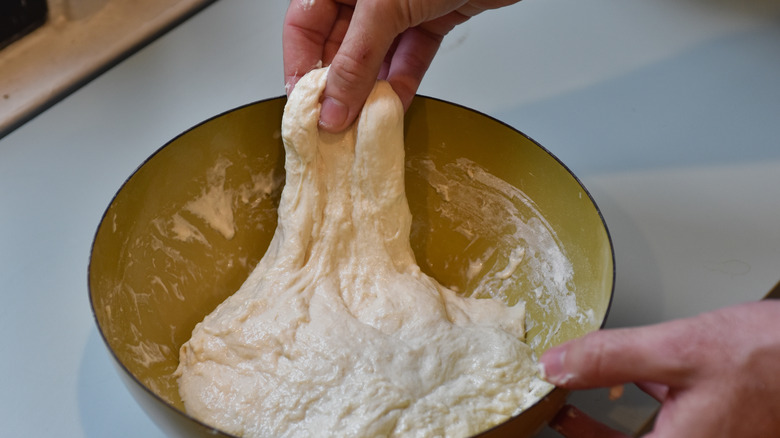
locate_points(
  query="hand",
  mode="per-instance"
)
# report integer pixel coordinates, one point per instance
(366, 40)
(716, 375)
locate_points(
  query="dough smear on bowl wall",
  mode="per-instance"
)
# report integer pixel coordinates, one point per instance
(337, 331)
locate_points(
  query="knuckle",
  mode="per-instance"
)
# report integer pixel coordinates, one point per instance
(588, 356)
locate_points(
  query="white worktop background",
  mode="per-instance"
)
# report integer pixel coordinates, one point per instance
(668, 110)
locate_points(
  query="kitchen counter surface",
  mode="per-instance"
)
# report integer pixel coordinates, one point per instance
(668, 111)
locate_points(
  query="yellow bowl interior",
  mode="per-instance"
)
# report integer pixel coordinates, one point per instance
(149, 286)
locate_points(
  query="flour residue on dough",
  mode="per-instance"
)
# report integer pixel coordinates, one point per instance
(337, 332)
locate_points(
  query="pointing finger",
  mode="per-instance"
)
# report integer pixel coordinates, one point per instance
(665, 353)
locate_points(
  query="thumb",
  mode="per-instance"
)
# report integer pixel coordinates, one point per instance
(658, 353)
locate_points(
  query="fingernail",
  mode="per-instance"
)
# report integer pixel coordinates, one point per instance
(551, 364)
(333, 113)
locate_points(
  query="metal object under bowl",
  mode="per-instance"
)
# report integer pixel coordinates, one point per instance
(158, 267)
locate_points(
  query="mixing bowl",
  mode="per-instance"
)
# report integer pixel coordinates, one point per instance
(494, 214)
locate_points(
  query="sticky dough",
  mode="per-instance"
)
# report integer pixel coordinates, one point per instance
(337, 332)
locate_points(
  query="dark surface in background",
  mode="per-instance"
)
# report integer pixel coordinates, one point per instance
(20, 17)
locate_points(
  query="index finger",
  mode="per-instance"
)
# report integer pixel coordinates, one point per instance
(664, 353)
(307, 26)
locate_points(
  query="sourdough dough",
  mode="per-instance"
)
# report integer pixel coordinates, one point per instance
(337, 332)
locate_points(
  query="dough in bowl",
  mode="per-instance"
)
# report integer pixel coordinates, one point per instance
(337, 332)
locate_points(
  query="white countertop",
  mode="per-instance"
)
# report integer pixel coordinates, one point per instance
(669, 111)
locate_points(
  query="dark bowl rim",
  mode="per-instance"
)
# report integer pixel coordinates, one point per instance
(184, 414)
